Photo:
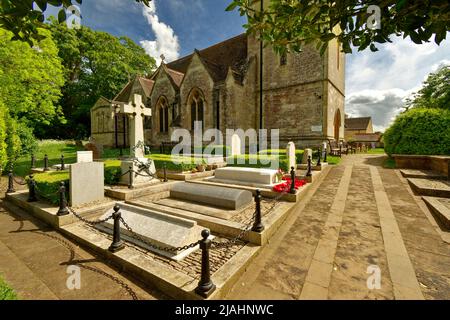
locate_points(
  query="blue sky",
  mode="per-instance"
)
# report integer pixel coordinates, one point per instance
(376, 83)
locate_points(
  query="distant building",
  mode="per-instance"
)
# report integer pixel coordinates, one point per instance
(357, 126)
(302, 93)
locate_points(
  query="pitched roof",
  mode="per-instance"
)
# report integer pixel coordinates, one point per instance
(357, 123)
(217, 58)
(125, 94)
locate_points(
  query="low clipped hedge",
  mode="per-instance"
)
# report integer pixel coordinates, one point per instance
(113, 172)
(48, 184)
(254, 161)
(419, 131)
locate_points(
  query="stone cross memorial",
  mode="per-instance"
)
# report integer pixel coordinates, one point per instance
(136, 112)
(290, 153)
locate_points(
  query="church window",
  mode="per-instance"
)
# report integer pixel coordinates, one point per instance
(163, 111)
(197, 107)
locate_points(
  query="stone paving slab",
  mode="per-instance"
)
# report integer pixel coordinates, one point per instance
(421, 174)
(441, 208)
(432, 188)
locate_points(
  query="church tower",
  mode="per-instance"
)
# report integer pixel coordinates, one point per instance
(302, 93)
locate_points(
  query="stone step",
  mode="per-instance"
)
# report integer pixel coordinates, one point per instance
(422, 174)
(431, 188)
(440, 207)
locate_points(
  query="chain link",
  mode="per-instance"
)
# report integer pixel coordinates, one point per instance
(145, 241)
(22, 183)
(231, 242)
(89, 222)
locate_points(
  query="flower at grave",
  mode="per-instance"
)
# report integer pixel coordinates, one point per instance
(285, 186)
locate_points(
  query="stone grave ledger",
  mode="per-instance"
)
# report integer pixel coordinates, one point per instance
(157, 228)
(247, 176)
(216, 196)
(86, 183)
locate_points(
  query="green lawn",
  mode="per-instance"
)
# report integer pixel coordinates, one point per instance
(6, 293)
(376, 151)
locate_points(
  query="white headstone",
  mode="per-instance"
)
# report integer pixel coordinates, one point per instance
(307, 153)
(86, 183)
(290, 153)
(235, 145)
(85, 156)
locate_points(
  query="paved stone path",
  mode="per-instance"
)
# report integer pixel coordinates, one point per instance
(360, 218)
(34, 261)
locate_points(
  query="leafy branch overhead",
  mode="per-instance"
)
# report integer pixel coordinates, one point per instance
(24, 17)
(289, 24)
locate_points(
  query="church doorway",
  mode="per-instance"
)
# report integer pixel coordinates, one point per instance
(337, 125)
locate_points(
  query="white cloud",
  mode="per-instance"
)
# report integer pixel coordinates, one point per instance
(377, 83)
(166, 42)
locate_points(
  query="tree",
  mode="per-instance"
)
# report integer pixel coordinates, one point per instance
(30, 79)
(24, 17)
(288, 25)
(95, 64)
(435, 92)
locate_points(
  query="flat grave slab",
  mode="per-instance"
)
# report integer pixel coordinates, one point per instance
(264, 178)
(432, 188)
(211, 195)
(440, 208)
(196, 207)
(421, 174)
(157, 228)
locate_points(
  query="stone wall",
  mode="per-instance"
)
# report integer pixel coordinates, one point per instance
(163, 87)
(197, 77)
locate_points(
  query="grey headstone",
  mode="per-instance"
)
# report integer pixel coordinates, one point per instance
(86, 183)
(216, 196)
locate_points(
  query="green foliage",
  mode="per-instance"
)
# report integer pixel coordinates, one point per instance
(435, 92)
(23, 17)
(389, 163)
(291, 24)
(3, 156)
(95, 64)
(48, 184)
(173, 163)
(258, 161)
(6, 292)
(30, 79)
(419, 131)
(113, 172)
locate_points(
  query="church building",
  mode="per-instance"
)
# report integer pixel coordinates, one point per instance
(302, 94)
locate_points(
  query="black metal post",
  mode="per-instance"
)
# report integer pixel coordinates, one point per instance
(258, 226)
(32, 190)
(205, 286)
(10, 182)
(33, 161)
(309, 172)
(165, 172)
(320, 156)
(131, 180)
(63, 210)
(121, 152)
(117, 243)
(63, 166)
(325, 155)
(292, 189)
(46, 163)
(340, 150)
